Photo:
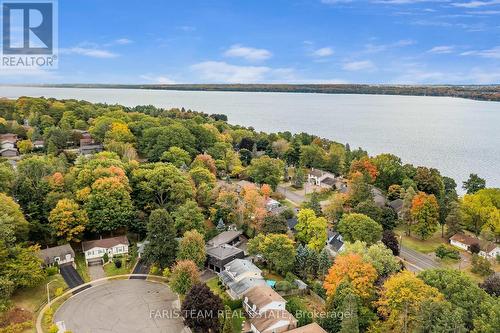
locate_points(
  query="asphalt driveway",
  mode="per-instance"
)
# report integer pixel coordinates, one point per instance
(122, 306)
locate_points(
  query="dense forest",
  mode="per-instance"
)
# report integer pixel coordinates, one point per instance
(477, 92)
(168, 173)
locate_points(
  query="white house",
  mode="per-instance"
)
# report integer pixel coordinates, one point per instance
(267, 312)
(487, 249)
(95, 250)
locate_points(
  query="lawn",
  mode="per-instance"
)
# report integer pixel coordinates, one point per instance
(238, 319)
(111, 270)
(81, 267)
(33, 299)
(424, 246)
(216, 289)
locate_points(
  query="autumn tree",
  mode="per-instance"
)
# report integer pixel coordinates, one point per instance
(378, 255)
(429, 180)
(335, 207)
(205, 161)
(389, 239)
(68, 220)
(481, 211)
(390, 170)
(401, 301)
(353, 269)
(192, 247)
(13, 225)
(359, 189)
(162, 246)
(276, 249)
(311, 230)
(108, 205)
(366, 168)
(425, 213)
(184, 275)
(253, 207)
(354, 227)
(201, 300)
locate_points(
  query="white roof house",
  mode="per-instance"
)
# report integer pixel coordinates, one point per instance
(239, 276)
(487, 249)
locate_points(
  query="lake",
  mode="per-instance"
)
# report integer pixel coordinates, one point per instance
(456, 136)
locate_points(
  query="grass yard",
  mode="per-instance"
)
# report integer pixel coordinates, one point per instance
(111, 270)
(216, 289)
(81, 267)
(424, 246)
(238, 319)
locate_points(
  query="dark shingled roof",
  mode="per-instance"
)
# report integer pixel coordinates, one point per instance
(47, 255)
(329, 181)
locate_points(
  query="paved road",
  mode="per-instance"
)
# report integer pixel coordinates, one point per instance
(294, 197)
(417, 261)
(122, 306)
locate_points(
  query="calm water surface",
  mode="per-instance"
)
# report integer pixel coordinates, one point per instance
(457, 136)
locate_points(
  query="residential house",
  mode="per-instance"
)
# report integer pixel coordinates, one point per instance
(311, 328)
(378, 197)
(8, 145)
(272, 204)
(91, 149)
(334, 243)
(94, 250)
(291, 223)
(57, 255)
(38, 144)
(9, 152)
(230, 237)
(267, 312)
(488, 249)
(220, 255)
(239, 276)
(11, 137)
(397, 206)
(316, 176)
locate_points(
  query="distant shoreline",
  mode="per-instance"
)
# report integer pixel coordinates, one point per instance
(474, 92)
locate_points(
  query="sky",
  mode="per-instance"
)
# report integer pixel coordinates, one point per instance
(274, 41)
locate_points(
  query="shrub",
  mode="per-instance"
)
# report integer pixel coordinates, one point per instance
(481, 265)
(59, 291)
(17, 327)
(154, 270)
(297, 308)
(52, 270)
(118, 263)
(283, 286)
(290, 277)
(317, 287)
(444, 251)
(105, 258)
(53, 329)
(233, 304)
(166, 272)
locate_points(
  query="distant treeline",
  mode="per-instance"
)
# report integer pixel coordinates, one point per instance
(477, 92)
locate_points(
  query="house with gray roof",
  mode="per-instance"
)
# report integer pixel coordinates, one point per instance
(219, 256)
(239, 276)
(397, 206)
(335, 243)
(57, 255)
(230, 237)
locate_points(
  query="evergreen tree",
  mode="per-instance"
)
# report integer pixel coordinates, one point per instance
(314, 204)
(162, 246)
(453, 220)
(312, 262)
(228, 321)
(406, 209)
(324, 262)
(301, 261)
(350, 322)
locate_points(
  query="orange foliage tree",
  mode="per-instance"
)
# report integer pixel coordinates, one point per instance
(425, 214)
(351, 267)
(366, 167)
(254, 207)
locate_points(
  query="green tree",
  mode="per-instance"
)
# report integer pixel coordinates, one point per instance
(177, 156)
(360, 227)
(439, 317)
(13, 225)
(377, 254)
(274, 224)
(314, 204)
(311, 230)
(192, 247)
(481, 265)
(277, 249)
(453, 220)
(157, 140)
(474, 184)
(406, 209)
(425, 213)
(188, 217)
(162, 246)
(390, 170)
(7, 177)
(481, 210)
(228, 320)
(429, 180)
(24, 267)
(266, 170)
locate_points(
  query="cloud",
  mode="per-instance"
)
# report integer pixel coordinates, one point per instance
(248, 53)
(122, 41)
(157, 79)
(219, 71)
(334, 2)
(89, 52)
(493, 53)
(442, 49)
(186, 28)
(359, 65)
(375, 48)
(475, 4)
(484, 12)
(323, 52)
